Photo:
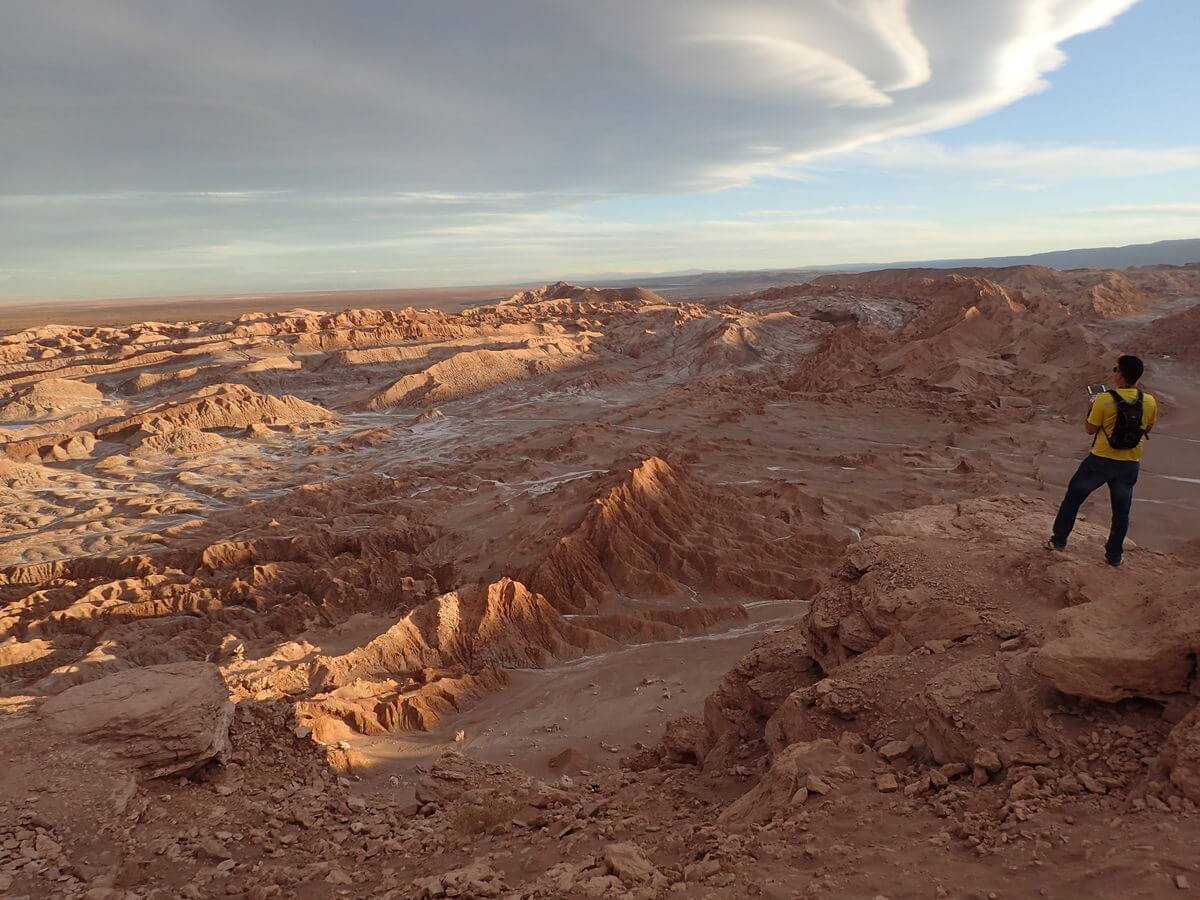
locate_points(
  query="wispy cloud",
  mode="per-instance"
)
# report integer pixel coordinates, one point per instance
(530, 95)
(1059, 162)
(1150, 209)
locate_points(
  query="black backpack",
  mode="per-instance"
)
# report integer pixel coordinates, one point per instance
(1127, 431)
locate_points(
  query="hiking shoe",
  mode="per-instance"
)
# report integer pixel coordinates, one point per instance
(1116, 564)
(1057, 548)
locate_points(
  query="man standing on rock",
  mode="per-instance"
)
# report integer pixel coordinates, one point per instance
(1119, 421)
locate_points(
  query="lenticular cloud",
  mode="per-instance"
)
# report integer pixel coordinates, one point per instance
(524, 96)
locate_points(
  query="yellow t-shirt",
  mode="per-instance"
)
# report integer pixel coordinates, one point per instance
(1104, 414)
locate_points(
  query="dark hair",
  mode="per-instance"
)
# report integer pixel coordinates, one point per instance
(1132, 368)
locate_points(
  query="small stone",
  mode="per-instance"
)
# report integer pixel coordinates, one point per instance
(226, 790)
(47, 847)
(987, 759)
(211, 848)
(988, 681)
(627, 862)
(894, 750)
(460, 736)
(920, 786)
(817, 785)
(302, 731)
(698, 871)
(1069, 784)
(1024, 789)
(1010, 644)
(1182, 883)
(886, 783)
(1008, 630)
(800, 797)
(938, 778)
(1091, 784)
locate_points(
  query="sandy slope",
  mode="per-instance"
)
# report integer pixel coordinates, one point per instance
(798, 530)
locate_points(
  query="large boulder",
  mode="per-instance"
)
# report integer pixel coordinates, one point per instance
(1179, 760)
(165, 720)
(1141, 641)
(990, 703)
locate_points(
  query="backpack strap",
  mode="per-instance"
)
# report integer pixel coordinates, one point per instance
(1121, 401)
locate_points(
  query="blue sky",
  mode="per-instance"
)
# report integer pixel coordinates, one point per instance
(212, 146)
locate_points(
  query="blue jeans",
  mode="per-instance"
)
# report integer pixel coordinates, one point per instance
(1120, 476)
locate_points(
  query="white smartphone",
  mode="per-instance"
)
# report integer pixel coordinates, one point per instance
(1095, 390)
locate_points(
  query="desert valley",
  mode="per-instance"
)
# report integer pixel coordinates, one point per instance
(592, 593)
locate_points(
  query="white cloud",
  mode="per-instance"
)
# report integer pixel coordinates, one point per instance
(1058, 162)
(528, 95)
(1150, 209)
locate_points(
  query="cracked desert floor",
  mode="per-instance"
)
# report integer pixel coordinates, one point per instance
(591, 593)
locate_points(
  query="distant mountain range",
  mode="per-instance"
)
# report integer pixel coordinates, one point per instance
(1160, 253)
(694, 284)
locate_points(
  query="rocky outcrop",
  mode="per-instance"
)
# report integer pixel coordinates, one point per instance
(1179, 760)
(989, 704)
(219, 406)
(47, 448)
(1176, 335)
(1127, 644)
(662, 532)
(475, 371)
(439, 659)
(946, 641)
(752, 691)
(162, 720)
(48, 399)
(802, 770)
(500, 624)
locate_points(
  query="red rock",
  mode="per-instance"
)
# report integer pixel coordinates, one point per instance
(162, 719)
